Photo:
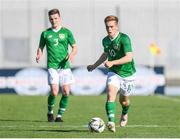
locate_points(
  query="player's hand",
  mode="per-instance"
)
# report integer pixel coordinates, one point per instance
(90, 67)
(37, 58)
(108, 64)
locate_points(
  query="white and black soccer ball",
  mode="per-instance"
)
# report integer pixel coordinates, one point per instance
(96, 124)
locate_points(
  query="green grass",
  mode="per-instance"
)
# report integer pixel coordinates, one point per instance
(149, 117)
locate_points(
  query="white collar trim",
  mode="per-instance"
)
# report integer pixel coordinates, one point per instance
(115, 36)
(56, 30)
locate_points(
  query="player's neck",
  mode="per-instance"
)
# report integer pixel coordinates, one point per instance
(56, 29)
(114, 37)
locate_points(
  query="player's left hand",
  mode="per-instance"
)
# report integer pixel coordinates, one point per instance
(108, 64)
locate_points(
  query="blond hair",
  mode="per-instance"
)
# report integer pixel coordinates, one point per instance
(111, 18)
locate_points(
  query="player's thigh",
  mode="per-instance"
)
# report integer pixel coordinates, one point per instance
(66, 77)
(53, 76)
(113, 85)
(111, 93)
(54, 89)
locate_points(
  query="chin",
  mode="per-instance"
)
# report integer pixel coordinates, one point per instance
(110, 36)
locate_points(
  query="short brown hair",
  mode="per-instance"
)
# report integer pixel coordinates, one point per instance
(111, 18)
(53, 11)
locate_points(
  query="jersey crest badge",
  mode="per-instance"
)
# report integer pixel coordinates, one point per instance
(115, 47)
(62, 36)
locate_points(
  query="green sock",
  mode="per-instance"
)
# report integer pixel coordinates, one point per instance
(110, 110)
(62, 105)
(125, 109)
(51, 102)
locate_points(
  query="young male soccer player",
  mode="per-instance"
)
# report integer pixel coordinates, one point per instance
(118, 58)
(57, 39)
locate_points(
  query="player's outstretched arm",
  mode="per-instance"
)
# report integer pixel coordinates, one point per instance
(127, 58)
(101, 59)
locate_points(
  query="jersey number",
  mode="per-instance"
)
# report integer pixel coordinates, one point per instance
(56, 42)
(112, 52)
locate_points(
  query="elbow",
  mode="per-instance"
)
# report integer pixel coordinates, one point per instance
(75, 50)
(130, 59)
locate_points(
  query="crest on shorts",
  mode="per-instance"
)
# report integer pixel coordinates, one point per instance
(62, 36)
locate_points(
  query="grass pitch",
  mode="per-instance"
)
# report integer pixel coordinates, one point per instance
(149, 117)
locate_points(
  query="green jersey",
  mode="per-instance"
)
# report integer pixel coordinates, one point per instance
(116, 49)
(57, 47)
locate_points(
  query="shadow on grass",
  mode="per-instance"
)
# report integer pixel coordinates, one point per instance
(47, 130)
(65, 131)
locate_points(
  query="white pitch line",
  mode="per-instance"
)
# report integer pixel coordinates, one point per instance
(158, 126)
(168, 98)
(85, 126)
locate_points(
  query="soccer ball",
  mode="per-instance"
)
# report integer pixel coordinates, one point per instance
(96, 124)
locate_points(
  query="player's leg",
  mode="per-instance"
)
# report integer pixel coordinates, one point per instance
(63, 102)
(127, 88)
(66, 79)
(53, 82)
(112, 90)
(125, 103)
(111, 106)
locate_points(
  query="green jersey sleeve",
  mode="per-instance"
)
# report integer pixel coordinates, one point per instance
(126, 43)
(71, 39)
(105, 43)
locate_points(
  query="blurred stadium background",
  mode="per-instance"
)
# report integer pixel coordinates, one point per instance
(147, 22)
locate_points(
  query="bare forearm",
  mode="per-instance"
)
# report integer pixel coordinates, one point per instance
(39, 54)
(74, 50)
(127, 58)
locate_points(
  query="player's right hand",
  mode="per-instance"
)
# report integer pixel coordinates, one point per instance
(90, 67)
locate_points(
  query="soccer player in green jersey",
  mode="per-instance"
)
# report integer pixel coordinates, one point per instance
(118, 58)
(57, 39)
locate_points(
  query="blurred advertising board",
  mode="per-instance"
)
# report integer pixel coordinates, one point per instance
(33, 81)
(26, 81)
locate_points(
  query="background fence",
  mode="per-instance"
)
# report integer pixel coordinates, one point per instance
(145, 21)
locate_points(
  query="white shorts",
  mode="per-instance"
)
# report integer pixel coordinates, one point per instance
(125, 86)
(60, 76)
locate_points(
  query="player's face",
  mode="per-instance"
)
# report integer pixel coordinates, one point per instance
(111, 28)
(54, 20)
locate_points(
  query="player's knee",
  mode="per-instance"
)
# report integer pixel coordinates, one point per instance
(66, 93)
(66, 90)
(111, 98)
(54, 91)
(125, 103)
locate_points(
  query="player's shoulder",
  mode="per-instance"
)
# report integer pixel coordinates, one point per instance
(65, 29)
(124, 36)
(46, 30)
(105, 39)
